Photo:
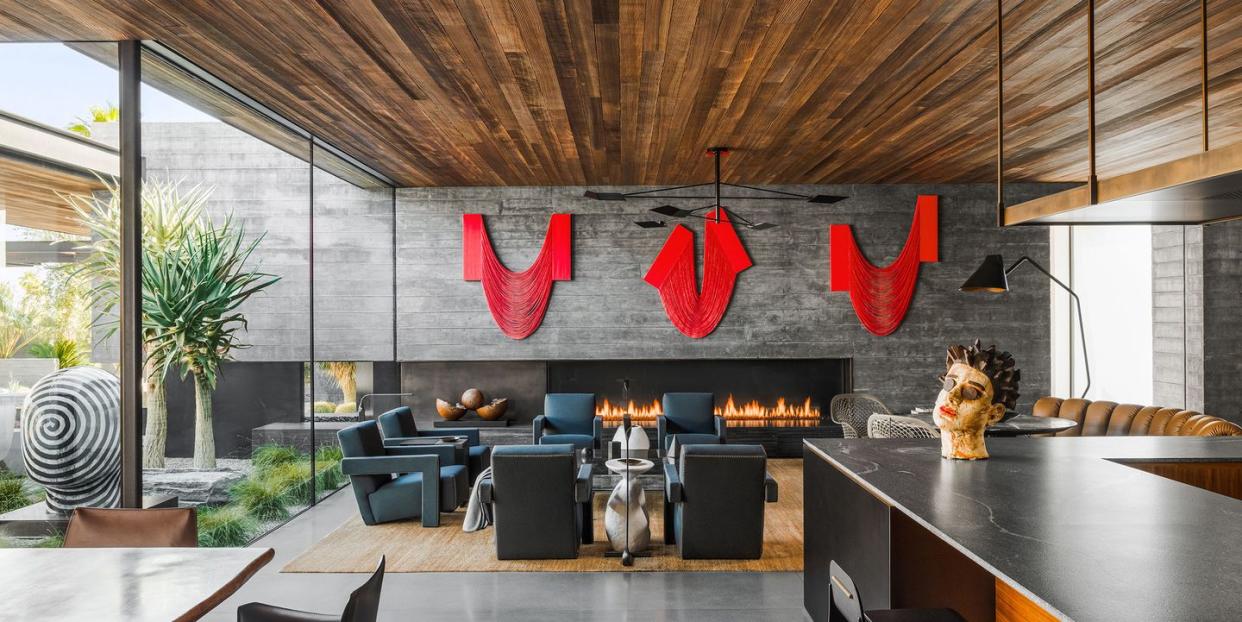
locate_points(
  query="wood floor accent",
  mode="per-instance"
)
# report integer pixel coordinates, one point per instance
(1223, 478)
(1013, 606)
(355, 547)
(538, 92)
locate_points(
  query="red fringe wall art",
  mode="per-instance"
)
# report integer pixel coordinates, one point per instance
(881, 296)
(696, 313)
(517, 300)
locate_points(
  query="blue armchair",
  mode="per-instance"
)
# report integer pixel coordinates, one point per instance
(541, 500)
(388, 482)
(568, 419)
(398, 424)
(714, 501)
(691, 418)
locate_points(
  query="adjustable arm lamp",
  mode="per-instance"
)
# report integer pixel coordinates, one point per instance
(992, 277)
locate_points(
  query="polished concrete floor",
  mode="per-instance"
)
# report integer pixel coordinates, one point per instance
(517, 596)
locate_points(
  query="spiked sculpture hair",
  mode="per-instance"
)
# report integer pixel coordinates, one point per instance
(999, 367)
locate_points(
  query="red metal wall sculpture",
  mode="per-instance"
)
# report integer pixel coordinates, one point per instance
(517, 300)
(881, 296)
(696, 313)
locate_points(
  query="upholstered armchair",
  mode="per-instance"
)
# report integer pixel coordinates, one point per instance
(568, 419)
(714, 501)
(541, 501)
(398, 424)
(691, 418)
(393, 483)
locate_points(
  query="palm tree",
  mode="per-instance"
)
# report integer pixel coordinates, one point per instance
(107, 113)
(169, 214)
(190, 296)
(344, 373)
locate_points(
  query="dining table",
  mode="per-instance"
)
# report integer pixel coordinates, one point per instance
(122, 584)
(1013, 425)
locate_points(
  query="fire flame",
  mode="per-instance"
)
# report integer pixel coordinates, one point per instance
(750, 414)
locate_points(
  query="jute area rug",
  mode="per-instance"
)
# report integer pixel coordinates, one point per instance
(354, 547)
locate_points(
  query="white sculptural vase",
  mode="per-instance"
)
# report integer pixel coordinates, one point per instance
(625, 515)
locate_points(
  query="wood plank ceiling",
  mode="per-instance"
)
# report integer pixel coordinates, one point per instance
(536, 92)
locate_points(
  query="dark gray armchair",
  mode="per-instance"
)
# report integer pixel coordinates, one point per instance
(541, 501)
(714, 501)
(393, 483)
(691, 418)
(399, 424)
(568, 419)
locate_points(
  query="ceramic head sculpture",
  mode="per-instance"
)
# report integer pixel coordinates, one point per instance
(979, 385)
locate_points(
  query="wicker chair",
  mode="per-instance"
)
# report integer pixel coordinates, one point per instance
(896, 426)
(851, 410)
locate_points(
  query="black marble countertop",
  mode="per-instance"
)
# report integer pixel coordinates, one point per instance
(1056, 518)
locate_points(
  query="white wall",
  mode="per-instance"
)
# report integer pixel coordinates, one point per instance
(1111, 271)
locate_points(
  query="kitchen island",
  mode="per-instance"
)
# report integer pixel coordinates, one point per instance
(1049, 528)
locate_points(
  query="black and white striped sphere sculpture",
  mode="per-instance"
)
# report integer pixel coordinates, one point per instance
(71, 438)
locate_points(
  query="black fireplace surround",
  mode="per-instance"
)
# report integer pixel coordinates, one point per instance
(806, 385)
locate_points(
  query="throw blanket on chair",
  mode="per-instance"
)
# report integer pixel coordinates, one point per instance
(478, 514)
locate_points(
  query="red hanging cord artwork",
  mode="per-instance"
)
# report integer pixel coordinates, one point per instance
(881, 296)
(517, 300)
(696, 313)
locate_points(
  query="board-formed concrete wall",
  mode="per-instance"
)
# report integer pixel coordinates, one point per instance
(269, 192)
(781, 306)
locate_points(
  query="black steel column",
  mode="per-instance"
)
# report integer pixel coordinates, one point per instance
(129, 53)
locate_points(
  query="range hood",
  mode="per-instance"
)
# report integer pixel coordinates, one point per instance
(1202, 188)
(1197, 189)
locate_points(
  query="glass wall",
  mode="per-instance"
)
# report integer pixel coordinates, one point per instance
(59, 281)
(267, 281)
(353, 299)
(227, 201)
(1111, 271)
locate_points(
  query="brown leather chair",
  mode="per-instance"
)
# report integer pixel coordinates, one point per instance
(1112, 419)
(156, 527)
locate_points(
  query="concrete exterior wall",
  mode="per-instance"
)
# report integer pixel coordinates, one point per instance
(781, 306)
(1177, 316)
(269, 191)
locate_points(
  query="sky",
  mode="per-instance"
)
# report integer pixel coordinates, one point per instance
(53, 84)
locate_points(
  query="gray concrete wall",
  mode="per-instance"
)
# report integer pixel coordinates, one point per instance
(269, 191)
(1221, 338)
(1177, 316)
(781, 306)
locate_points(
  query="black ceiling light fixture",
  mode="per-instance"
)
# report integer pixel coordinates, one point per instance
(673, 211)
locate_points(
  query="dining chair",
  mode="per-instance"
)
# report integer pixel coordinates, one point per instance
(845, 604)
(363, 606)
(897, 426)
(117, 527)
(851, 411)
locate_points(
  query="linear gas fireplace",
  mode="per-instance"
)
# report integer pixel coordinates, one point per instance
(750, 393)
(773, 402)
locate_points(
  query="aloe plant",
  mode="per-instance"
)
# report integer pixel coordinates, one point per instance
(107, 113)
(190, 296)
(344, 374)
(170, 213)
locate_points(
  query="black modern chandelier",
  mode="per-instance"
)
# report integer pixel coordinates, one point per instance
(672, 211)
